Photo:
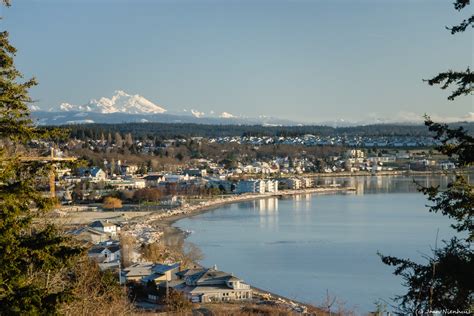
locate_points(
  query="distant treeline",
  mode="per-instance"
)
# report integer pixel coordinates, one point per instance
(173, 130)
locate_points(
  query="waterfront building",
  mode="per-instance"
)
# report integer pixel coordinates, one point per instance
(210, 285)
(162, 273)
(148, 271)
(271, 186)
(291, 183)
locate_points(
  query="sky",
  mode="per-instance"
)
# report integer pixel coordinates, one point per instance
(307, 61)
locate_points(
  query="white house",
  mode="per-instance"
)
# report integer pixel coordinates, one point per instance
(95, 174)
(106, 252)
(105, 226)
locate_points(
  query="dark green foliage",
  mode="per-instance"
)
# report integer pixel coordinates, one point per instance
(459, 5)
(30, 254)
(456, 202)
(160, 131)
(444, 283)
(15, 122)
(463, 26)
(463, 79)
(456, 141)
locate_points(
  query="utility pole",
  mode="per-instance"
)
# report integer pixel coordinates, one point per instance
(52, 173)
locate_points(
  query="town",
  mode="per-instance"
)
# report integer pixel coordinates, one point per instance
(236, 158)
(114, 198)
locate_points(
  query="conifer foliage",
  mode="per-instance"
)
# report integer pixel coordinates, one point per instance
(444, 283)
(31, 254)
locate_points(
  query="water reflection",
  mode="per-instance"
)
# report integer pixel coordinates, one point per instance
(387, 184)
(268, 213)
(303, 245)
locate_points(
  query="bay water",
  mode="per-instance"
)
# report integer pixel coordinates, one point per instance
(308, 245)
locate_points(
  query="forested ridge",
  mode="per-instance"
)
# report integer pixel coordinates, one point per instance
(169, 130)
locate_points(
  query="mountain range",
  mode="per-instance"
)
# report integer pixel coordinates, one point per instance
(120, 102)
(122, 107)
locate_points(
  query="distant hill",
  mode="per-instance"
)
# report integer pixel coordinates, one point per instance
(168, 130)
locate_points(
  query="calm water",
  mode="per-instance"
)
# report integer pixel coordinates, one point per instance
(305, 245)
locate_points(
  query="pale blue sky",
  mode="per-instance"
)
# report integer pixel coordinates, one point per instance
(302, 60)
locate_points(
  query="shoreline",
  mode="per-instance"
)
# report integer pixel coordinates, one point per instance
(190, 211)
(169, 218)
(173, 232)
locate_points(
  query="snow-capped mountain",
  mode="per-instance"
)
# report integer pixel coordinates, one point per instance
(120, 102)
(123, 107)
(226, 115)
(211, 114)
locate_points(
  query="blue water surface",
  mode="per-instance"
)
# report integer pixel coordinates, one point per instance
(307, 245)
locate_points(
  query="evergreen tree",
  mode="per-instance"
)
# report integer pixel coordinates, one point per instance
(30, 254)
(444, 283)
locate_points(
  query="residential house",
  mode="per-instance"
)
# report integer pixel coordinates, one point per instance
(147, 271)
(105, 252)
(90, 235)
(105, 226)
(94, 174)
(153, 180)
(129, 169)
(210, 285)
(195, 172)
(162, 273)
(136, 272)
(127, 184)
(175, 178)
